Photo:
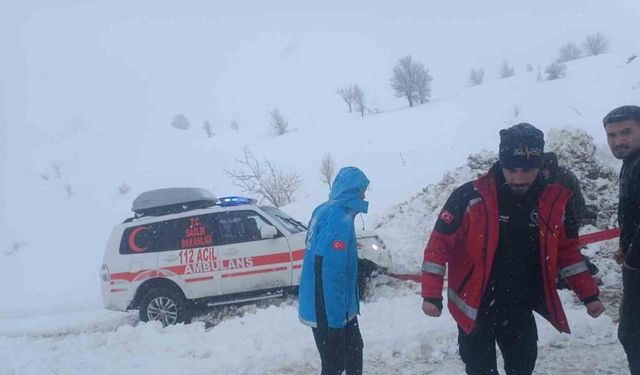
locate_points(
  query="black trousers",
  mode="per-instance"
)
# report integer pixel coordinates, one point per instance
(515, 332)
(340, 349)
(629, 327)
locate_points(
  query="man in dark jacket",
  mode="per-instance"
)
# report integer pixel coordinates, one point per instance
(328, 295)
(503, 237)
(623, 135)
(553, 173)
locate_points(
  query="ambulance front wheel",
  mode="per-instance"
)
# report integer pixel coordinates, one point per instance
(366, 270)
(165, 305)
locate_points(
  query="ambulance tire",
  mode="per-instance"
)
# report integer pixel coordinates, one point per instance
(365, 271)
(166, 305)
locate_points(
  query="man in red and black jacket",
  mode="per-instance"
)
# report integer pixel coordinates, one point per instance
(504, 237)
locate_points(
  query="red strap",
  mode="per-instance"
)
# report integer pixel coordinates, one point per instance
(606, 234)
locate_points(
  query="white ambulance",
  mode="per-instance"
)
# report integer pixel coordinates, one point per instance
(185, 249)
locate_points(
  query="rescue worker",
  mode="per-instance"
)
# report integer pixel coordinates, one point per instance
(622, 126)
(328, 295)
(504, 236)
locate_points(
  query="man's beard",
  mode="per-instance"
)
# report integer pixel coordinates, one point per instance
(519, 189)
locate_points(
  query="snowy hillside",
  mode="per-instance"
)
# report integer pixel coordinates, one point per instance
(88, 91)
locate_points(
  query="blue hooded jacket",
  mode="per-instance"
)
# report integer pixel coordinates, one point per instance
(328, 295)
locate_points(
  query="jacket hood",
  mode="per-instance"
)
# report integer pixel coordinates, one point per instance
(348, 187)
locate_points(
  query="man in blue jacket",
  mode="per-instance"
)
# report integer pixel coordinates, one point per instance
(328, 296)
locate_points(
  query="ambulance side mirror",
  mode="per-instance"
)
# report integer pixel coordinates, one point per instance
(268, 231)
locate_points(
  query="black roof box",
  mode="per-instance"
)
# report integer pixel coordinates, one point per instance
(172, 200)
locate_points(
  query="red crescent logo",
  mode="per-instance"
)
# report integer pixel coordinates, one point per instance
(132, 240)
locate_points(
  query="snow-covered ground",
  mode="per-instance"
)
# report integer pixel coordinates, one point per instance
(87, 93)
(398, 338)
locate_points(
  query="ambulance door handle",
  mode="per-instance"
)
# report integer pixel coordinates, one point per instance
(232, 251)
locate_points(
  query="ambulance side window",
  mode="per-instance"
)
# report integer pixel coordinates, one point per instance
(238, 226)
(169, 235)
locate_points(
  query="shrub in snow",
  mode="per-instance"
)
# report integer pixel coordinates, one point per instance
(16, 246)
(539, 76)
(262, 178)
(555, 70)
(208, 129)
(476, 76)
(595, 44)
(278, 122)
(234, 125)
(327, 169)
(68, 189)
(516, 112)
(506, 70)
(55, 173)
(181, 122)
(411, 80)
(124, 189)
(568, 52)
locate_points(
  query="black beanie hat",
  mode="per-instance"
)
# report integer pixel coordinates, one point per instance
(521, 146)
(626, 112)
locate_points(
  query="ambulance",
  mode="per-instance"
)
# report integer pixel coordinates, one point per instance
(185, 249)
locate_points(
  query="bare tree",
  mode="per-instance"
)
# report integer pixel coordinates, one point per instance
(411, 80)
(596, 44)
(569, 52)
(359, 99)
(56, 167)
(347, 94)
(181, 122)
(264, 179)
(539, 76)
(516, 111)
(327, 169)
(555, 70)
(207, 129)
(278, 122)
(68, 189)
(476, 76)
(506, 70)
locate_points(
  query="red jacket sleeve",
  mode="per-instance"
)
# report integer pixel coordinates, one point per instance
(571, 264)
(446, 233)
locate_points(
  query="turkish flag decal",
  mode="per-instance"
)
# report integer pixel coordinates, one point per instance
(338, 245)
(446, 216)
